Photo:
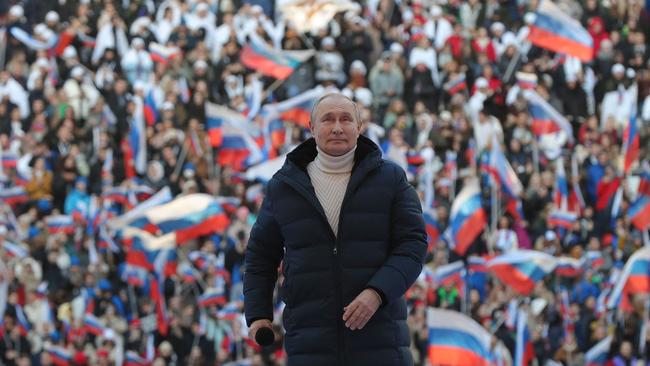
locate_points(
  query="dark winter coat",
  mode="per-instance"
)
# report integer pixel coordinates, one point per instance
(381, 244)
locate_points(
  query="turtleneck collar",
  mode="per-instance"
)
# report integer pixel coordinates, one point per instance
(335, 164)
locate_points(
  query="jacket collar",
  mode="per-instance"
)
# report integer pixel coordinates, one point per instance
(367, 157)
(306, 152)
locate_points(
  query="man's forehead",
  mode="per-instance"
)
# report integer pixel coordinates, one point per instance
(335, 103)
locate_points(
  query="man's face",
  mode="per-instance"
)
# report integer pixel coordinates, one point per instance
(335, 126)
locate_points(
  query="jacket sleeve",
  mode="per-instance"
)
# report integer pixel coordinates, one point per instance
(263, 255)
(408, 243)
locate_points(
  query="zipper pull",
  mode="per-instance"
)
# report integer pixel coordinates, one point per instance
(335, 251)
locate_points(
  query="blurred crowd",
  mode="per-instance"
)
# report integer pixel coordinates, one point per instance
(75, 74)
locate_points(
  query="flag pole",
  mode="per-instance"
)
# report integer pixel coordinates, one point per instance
(276, 84)
(644, 326)
(495, 212)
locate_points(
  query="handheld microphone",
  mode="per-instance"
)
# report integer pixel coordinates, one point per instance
(264, 336)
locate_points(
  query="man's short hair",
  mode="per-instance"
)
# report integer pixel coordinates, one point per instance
(334, 94)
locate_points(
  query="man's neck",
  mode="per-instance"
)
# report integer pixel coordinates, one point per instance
(335, 164)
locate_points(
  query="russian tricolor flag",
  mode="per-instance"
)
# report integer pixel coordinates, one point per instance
(635, 277)
(60, 224)
(597, 355)
(133, 359)
(455, 339)
(526, 80)
(630, 143)
(553, 29)
(522, 269)
(163, 54)
(272, 62)
(296, 109)
(467, 218)
(190, 217)
(639, 213)
(432, 227)
(594, 259)
(502, 172)
(524, 351)
(561, 187)
(23, 323)
(238, 149)
(150, 109)
(561, 219)
(449, 274)
(456, 85)
(644, 184)
(9, 160)
(216, 117)
(93, 325)
(229, 312)
(187, 217)
(569, 267)
(14, 195)
(477, 264)
(202, 260)
(14, 250)
(545, 119)
(212, 297)
(59, 355)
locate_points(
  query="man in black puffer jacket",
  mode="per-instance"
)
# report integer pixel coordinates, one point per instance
(348, 228)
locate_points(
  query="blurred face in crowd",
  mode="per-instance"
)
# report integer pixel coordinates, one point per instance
(335, 125)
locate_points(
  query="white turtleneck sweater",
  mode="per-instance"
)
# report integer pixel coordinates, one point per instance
(330, 176)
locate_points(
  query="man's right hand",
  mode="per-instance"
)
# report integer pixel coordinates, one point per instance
(256, 325)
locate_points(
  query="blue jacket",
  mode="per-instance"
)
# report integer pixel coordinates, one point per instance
(381, 244)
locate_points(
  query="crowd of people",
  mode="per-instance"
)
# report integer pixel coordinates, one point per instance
(437, 84)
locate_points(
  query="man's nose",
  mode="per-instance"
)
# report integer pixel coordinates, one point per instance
(338, 128)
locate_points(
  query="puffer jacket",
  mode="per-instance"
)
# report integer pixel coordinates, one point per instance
(381, 245)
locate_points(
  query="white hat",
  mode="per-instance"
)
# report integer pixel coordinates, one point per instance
(497, 27)
(202, 7)
(200, 64)
(77, 71)
(257, 8)
(509, 39)
(538, 305)
(630, 73)
(364, 96)
(481, 83)
(407, 16)
(3, 230)
(40, 29)
(137, 41)
(529, 18)
(348, 93)
(358, 65)
(618, 68)
(327, 41)
(52, 16)
(396, 48)
(42, 62)
(16, 11)
(550, 235)
(436, 11)
(69, 51)
(138, 24)
(138, 85)
(167, 106)
(419, 58)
